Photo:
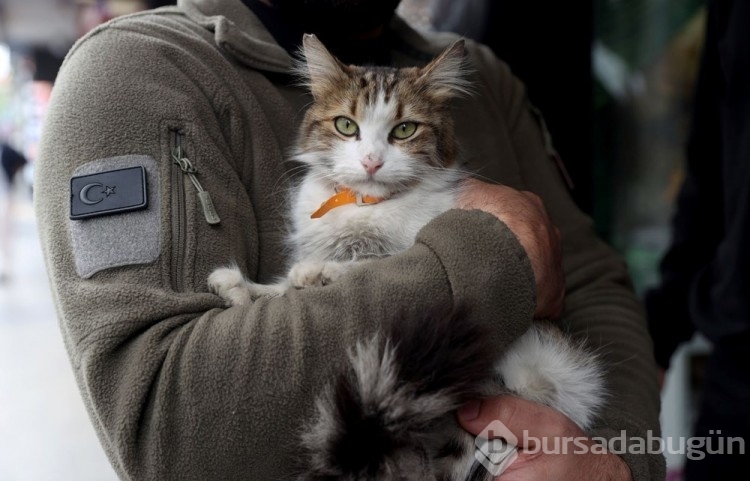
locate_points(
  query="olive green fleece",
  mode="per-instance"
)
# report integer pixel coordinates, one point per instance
(177, 386)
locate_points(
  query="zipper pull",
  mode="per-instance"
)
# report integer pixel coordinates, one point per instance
(209, 212)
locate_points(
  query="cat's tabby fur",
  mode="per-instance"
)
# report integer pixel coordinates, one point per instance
(389, 416)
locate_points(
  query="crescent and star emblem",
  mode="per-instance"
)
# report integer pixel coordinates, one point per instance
(84, 194)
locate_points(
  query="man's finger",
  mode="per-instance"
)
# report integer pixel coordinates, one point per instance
(516, 414)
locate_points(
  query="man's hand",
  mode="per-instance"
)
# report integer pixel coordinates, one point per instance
(526, 217)
(547, 426)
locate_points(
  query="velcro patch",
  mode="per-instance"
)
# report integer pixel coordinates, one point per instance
(128, 186)
(107, 193)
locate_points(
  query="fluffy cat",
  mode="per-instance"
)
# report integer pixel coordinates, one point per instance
(381, 153)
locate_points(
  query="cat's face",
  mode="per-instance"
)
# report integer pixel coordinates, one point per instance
(379, 130)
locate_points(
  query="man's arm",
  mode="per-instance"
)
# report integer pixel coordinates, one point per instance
(600, 305)
(177, 386)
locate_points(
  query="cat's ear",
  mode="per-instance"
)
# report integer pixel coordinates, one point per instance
(321, 71)
(447, 74)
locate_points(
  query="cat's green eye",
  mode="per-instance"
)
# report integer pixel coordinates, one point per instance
(404, 130)
(346, 126)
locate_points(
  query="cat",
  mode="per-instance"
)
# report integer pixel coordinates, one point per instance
(382, 162)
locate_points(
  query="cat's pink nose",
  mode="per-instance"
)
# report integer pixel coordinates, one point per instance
(372, 164)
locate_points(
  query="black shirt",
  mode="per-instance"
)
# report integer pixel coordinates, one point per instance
(288, 30)
(706, 272)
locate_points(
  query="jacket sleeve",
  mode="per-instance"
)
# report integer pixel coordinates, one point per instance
(600, 305)
(177, 386)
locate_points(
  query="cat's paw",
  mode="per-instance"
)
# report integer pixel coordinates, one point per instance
(316, 273)
(229, 284)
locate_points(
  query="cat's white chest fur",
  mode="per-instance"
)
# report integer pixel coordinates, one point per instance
(355, 232)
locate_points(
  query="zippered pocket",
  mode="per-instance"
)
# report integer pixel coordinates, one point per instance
(183, 170)
(179, 212)
(185, 165)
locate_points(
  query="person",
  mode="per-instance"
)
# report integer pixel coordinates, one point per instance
(12, 162)
(180, 387)
(520, 36)
(706, 271)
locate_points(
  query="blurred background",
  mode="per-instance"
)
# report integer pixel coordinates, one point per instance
(613, 78)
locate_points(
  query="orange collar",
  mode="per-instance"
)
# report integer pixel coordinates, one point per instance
(345, 196)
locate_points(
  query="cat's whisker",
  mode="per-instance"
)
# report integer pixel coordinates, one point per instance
(297, 168)
(291, 176)
(467, 173)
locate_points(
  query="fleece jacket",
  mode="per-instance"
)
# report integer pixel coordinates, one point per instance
(180, 387)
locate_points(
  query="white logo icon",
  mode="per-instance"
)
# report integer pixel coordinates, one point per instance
(496, 448)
